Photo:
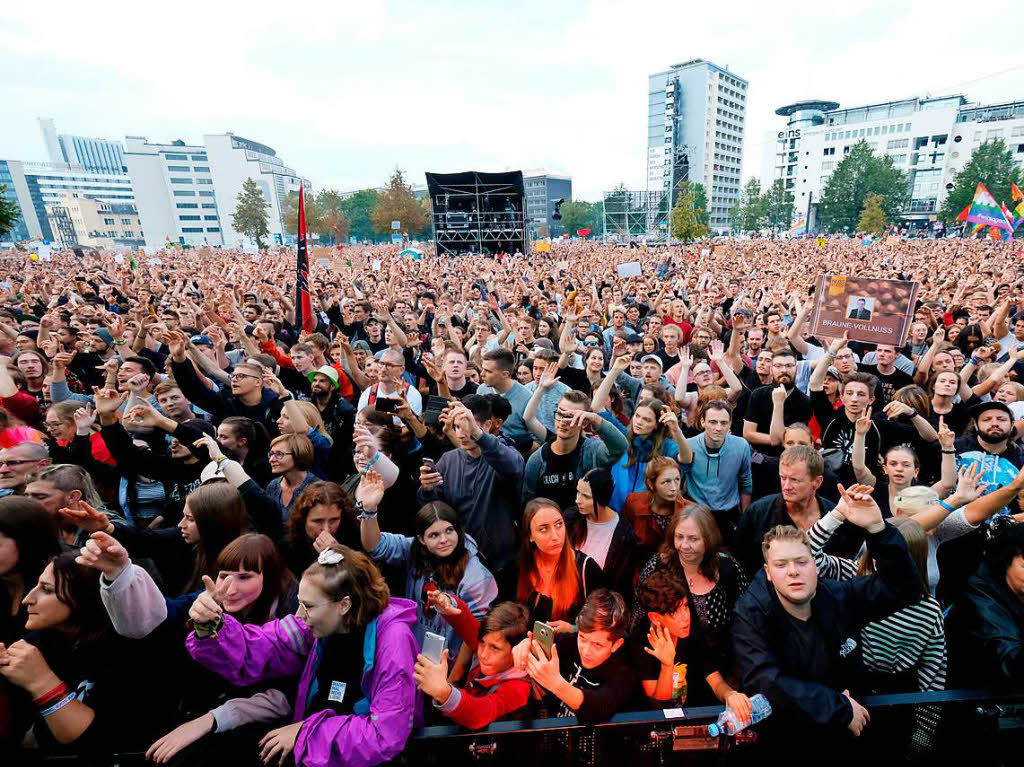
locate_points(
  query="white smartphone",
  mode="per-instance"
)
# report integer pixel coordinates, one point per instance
(433, 646)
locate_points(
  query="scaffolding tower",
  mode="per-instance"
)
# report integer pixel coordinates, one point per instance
(632, 216)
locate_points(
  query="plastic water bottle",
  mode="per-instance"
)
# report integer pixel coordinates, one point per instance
(729, 724)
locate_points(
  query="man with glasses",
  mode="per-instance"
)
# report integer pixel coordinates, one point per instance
(244, 396)
(390, 384)
(18, 464)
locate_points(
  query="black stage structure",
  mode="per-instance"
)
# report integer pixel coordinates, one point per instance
(482, 213)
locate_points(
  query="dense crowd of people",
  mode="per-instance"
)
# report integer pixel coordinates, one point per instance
(224, 539)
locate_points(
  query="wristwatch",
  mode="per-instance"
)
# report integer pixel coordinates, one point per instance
(362, 514)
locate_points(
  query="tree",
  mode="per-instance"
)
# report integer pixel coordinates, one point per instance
(751, 212)
(872, 218)
(684, 220)
(9, 212)
(991, 164)
(576, 215)
(397, 203)
(778, 206)
(861, 173)
(332, 216)
(357, 210)
(250, 217)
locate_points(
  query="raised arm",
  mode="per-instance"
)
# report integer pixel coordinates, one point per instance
(534, 426)
(817, 382)
(795, 332)
(734, 388)
(861, 471)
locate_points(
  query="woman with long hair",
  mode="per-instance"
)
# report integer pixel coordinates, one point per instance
(600, 532)
(83, 680)
(943, 388)
(353, 645)
(252, 583)
(692, 549)
(650, 510)
(653, 431)
(554, 578)
(323, 507)
(28, 540)
(441, 557)
(299, 417)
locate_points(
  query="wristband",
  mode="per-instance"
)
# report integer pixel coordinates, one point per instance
(946, 506)
(362, 514)
(122, 342)
(58, 705)
(207, 630)
(948, 452)
(220, 460)
(376, 457)
(48, 698)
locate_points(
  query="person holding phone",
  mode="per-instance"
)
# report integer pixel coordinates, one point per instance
(390, 385)
(494, 687)
(602, 678)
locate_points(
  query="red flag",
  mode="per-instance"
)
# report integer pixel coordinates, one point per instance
(1017, 194)
(583, 232)
(963, 213)
(302, 302)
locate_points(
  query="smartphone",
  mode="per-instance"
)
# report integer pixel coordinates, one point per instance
(385, 404)
(429, 463)
(435, 406)
(544, 635)
(433, 646)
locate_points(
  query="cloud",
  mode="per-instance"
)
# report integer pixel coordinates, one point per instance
(345, 92)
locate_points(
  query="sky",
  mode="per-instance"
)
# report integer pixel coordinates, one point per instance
(346, 92)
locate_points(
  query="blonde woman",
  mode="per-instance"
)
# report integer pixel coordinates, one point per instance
(304, 418)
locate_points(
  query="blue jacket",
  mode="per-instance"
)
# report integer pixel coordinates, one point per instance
(630, 479)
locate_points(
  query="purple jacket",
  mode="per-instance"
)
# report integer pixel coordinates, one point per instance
(383, 720)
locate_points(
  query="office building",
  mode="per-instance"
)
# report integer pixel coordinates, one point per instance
(174, 192)
(234, 159)
(19, 233)
(543, 190)
(77, 220)
(929, 139)
(96, 155)
(37, 185)
(696, 116)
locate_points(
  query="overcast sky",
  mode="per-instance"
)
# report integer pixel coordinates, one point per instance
(344, 94)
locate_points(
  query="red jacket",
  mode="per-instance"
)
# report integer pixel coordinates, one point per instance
(483, 699)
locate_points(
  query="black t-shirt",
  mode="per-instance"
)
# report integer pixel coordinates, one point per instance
(797, 409)
(837, 433)
(561, 472)
(607, 689)
(668, 359)
(692, 666)
(887, 384)
(957, 419)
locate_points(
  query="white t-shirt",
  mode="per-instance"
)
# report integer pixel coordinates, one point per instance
(599, 538)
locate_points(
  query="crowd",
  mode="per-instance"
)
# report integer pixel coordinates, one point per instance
(224, 539)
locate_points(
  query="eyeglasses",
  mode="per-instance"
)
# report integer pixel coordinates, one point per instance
(392, 365)
(238, 376)
(277, 454)
(16, 461)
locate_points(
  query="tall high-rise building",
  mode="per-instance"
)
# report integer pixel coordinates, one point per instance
(543, 190)
(696, 115)
(96, 155)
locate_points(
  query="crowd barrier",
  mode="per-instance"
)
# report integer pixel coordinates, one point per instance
(979, 727)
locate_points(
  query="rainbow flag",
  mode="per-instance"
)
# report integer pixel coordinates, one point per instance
(800, 227)
(986, 211)
(1018, 197)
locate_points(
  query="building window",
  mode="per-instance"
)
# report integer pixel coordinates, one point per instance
(202, 169)
(209, 218)
(176, 156)
(203, 194)
(199, 157)
(184, 194)
(208, 181)
(181, 181)
(186, 205)
(209, 205)
(188, 218)
(178, 168)
(192, 229)
(126, 221)
(108, 221)
(213, 228)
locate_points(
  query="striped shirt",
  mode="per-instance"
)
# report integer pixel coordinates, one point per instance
(913, 638)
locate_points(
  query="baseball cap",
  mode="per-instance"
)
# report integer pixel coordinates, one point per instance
(325, 370)
(360, 345)
(981, 407)
(201, 340)
(633, 338)
(543, 343)
(655, 359)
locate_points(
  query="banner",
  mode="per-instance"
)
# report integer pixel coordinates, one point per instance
(871, 310)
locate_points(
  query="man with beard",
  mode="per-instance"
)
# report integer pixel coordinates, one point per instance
(797, 638)
(997, 457)
(339, 417)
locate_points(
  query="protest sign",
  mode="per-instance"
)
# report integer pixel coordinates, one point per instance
(871, 310)
(629, 269)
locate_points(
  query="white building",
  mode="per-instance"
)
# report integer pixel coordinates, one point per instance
(696, 116)
(97, 155)
(174, 192)
(929, 139)
(234, 159)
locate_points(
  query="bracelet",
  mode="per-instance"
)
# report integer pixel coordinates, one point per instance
(220, 460)
(948, 452)
(47, 698)
(59, 705)
(362, 514)
(122, 342)
(376, 457)
(946, 506)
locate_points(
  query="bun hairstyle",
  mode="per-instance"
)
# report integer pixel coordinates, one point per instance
(345, 572)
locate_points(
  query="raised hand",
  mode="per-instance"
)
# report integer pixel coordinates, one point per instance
(838, 344)
(209, 605)
(85, 417)
(967, 483)
(370, 490)
(324, 541)
(661, 644)
(779, 395)
(947, 437)
(863, 424)
(859, 508)
(87, 518)
(104, 553)
(212, 447)
(442, 603)
(549, 377)
(717, 351)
